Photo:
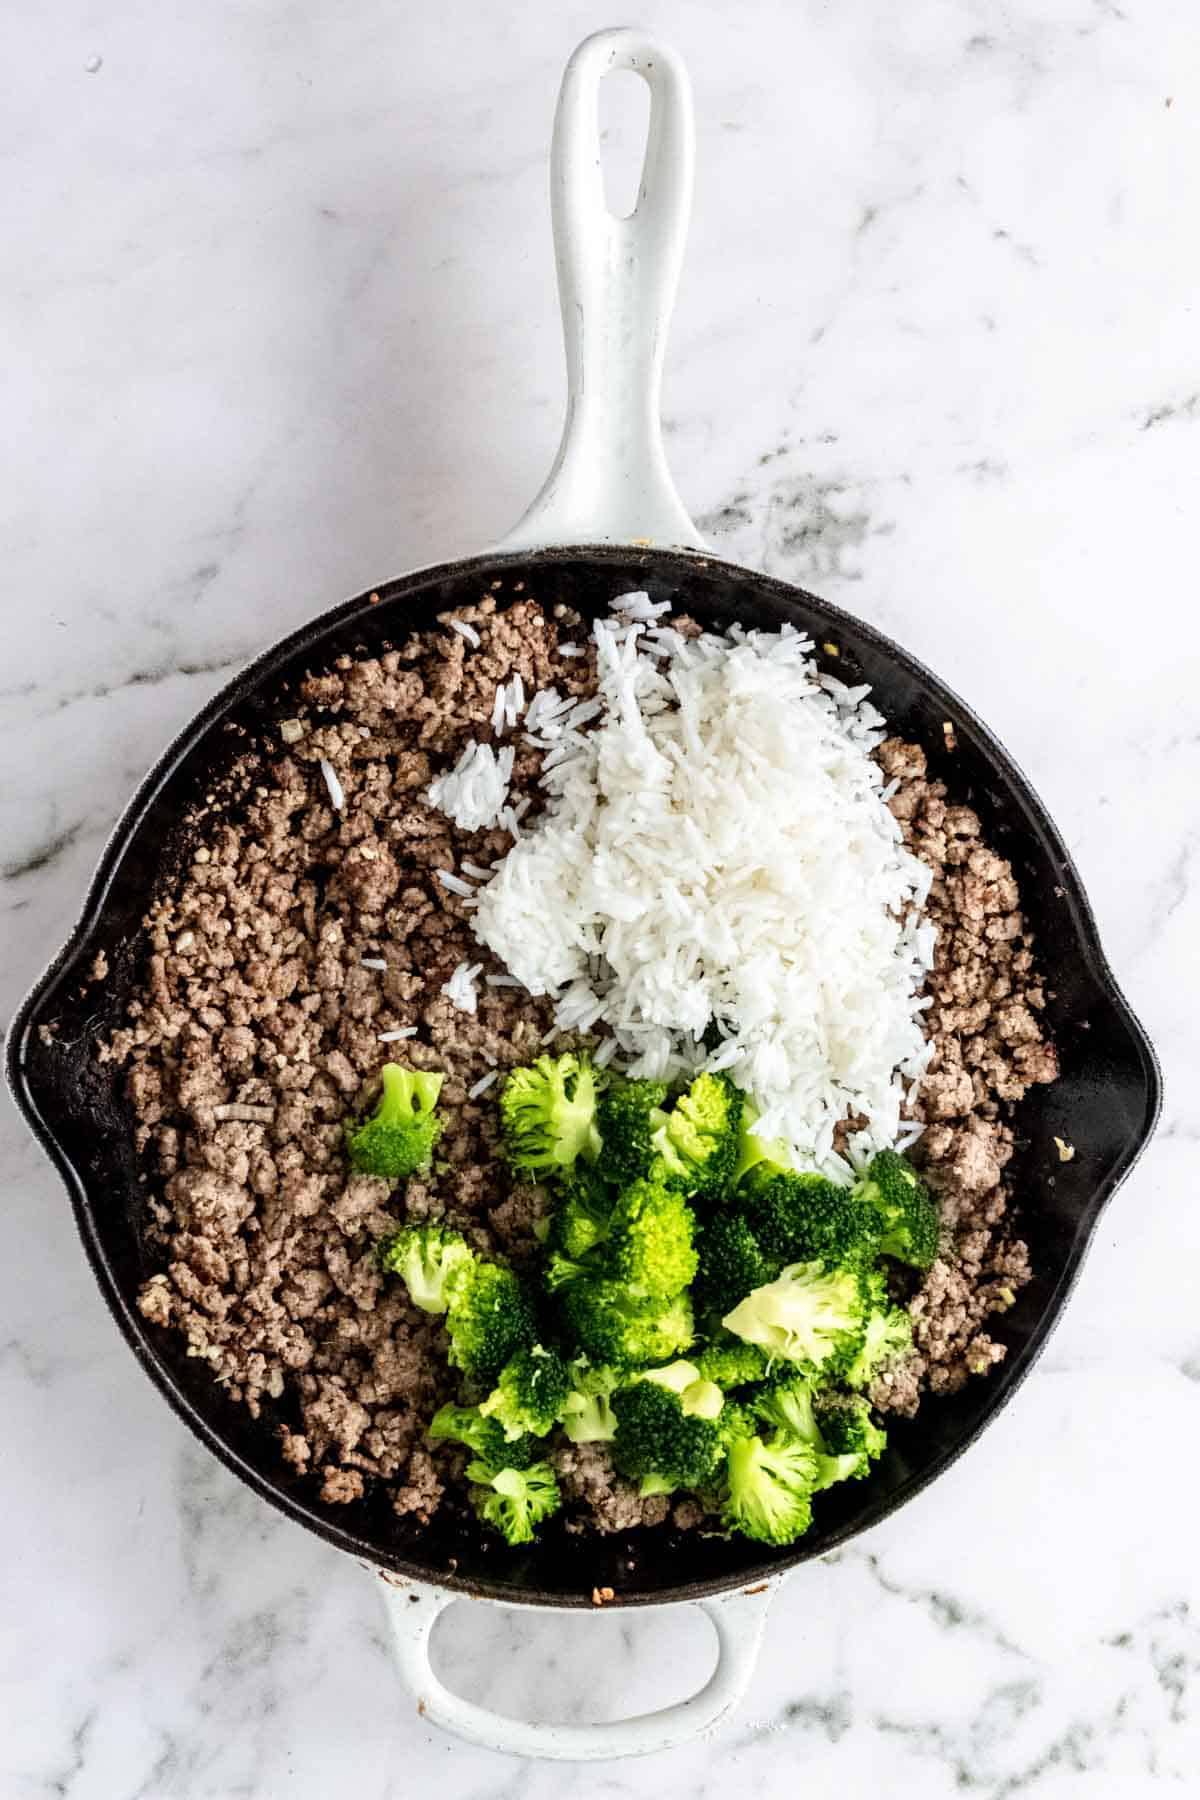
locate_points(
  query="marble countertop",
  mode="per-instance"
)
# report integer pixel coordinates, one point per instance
(280, 311)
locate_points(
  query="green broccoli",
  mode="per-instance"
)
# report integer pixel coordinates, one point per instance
(887, 1334)
(910, 1226)
(586, 1413)
(849, 1433)
(490, 1319)
(649, 1249)
(731, 1363)
(841, 1434)
(628, 1113)
(737, 1420)
(548, 1114)
(398, 1138)
(559, 1271)
(514, 1501)
(753, 1150)
(796, 1217)
(431, 1260)
(529, 1393)
(832, 1222)
(484, 1437)
(610, 1326)
(647, 1245)
(699, 1397)
(581, 1219)
(731, 1263)
(697, 1141)
(786, 1404)
(812, 1315)
(769, 1487)
(657, 1443)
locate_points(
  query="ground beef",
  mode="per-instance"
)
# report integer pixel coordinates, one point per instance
(257, 1027)
(255, 995)
(989, 1048)
(586, 1474)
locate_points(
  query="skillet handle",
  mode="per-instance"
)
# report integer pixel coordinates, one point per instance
(739, 1618)
(616, 283)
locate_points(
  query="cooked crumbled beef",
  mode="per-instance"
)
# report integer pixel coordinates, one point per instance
(989, 1048)
(341, 1485)
(255, 995)
(586, 1474)
(515, 1221)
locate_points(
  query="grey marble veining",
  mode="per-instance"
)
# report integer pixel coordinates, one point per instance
(280, 322)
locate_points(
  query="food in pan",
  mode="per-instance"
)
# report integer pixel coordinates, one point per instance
(573, 1072)
(670, 1226)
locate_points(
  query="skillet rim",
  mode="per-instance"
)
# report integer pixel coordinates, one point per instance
(273, 662)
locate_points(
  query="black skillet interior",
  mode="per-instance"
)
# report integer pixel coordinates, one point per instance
(1105, 1103)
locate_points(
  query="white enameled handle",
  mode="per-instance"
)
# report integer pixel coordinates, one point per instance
(739, 1618)
(616, 282)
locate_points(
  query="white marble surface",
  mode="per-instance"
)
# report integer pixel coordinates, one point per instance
(280, 322)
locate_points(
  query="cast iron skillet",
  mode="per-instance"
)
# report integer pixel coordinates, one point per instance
(1105, 1102)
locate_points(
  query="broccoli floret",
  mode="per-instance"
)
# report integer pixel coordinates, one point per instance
(529, 1393)
(398, 1138)
(649, 1248)
(737, 1420)
(887, 1335)
(657, 1443)
(731, 1263)
(610, 1326)
(796, 1217)
(732, 1364)
(753, 1150)
(842, 1454)
(431, 1260)
(484, 1437)
(548, 1113)
(586, 1414)
(581, 1219)
(832, 1222)
(627, 1116)
(697, 1141)
(908, 1214)
(490, 1319)
(514, 1501)
(786, 1404)
(769, 1488)
(849, 1433)
(559, 1271)
(647, 1245)
(698, 1396)
(811, 1315)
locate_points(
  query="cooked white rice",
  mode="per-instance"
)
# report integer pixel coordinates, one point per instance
(337, 797)
(717, 853)
(475, 791)
(514, 700)
(461, 990)
(453, 884)
(640, 606)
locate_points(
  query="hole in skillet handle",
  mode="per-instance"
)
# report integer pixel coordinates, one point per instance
(547, 1667)
(624, 103)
